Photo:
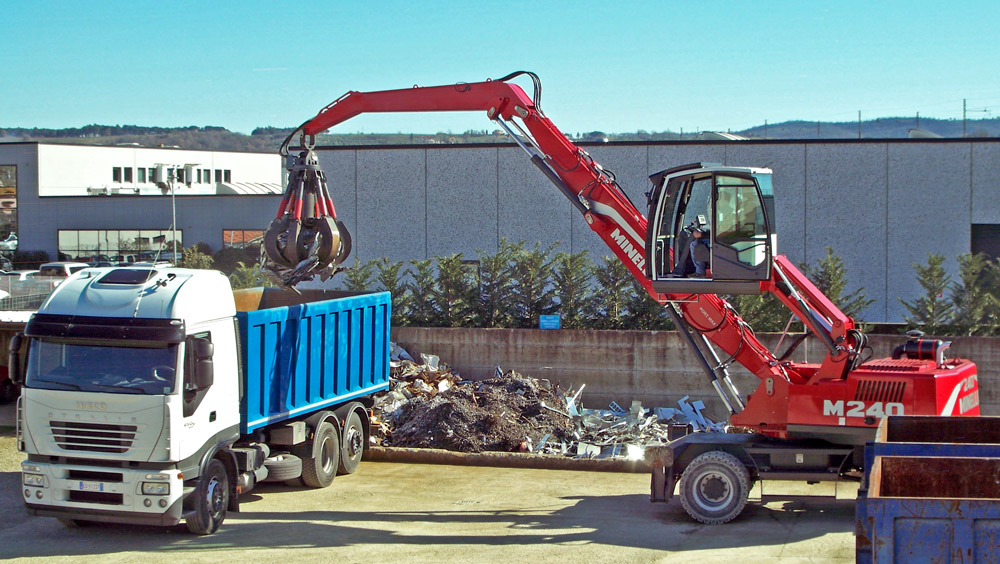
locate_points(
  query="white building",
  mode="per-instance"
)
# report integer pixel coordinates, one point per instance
(84, 202)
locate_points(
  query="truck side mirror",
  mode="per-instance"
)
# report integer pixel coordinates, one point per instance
(14, 359)
(204, 367)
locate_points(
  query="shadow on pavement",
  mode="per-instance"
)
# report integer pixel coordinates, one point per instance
(624, 521)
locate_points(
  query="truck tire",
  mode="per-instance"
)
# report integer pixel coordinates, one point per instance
(714, 487)
(282, 466)
(319, 470)
(353, 445)
(211, 500)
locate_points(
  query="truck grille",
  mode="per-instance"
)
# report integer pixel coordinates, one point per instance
(92, 437)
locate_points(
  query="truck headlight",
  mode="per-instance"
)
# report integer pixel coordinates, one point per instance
(35, 480)
(155, 488)
(25, 467)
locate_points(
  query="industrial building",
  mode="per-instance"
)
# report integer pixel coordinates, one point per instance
(882, 205)
(118, 204)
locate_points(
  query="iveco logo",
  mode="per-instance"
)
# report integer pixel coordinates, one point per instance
(92, 405)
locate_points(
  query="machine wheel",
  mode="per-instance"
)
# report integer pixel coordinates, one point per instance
(211, 500)
(282, 466)
(353, 445)
(319, 470)
(714, 487)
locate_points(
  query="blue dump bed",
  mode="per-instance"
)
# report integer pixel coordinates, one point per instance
(307, 351)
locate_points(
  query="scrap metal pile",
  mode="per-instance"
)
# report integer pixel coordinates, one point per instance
(431, 406)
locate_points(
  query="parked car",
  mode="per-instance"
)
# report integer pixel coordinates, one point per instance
(10, 243)
(20, 275)
(61, 269)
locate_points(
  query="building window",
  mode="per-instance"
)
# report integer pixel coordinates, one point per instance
(218, 175)
(242, 238)
(142, 175)
(986, 240)
(180, 175)
(117, 246)
(227, 175)
(128, 174)
(116, 174)
(206, 174)
(8, 206)
(153, 176)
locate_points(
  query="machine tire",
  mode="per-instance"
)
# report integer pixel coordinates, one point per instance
(319, 470)
(282, 466)
(352, 447)
(211, 500)
(714, 487)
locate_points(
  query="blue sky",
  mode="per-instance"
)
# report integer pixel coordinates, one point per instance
(613, 66)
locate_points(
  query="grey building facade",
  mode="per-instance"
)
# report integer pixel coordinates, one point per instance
(882, 205)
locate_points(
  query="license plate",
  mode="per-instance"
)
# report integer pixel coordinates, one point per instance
(91, 487)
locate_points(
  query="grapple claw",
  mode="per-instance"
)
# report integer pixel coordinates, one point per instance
(305, 238)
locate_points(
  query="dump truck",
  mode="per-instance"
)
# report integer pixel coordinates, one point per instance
(158, 395)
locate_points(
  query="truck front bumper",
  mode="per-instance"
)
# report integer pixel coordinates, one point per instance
(101, 493)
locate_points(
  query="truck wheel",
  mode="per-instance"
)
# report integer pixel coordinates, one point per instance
(282, 466)
(715, 487)
(319, 470)
(211, 500)
(353, 445)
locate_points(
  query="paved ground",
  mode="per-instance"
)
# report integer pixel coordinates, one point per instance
(431, 513)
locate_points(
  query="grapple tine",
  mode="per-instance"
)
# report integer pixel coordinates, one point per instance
(274, 241)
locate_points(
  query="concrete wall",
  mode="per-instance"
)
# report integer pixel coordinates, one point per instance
(881, 205)
(654, 367)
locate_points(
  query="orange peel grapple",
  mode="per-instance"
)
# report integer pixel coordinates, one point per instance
(305, 239)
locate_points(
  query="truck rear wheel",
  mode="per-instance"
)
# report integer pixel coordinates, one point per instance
(714, 487)
(319, 470)
(353, 445)
(211, 500)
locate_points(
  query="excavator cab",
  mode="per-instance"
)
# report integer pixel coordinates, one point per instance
(710, 230)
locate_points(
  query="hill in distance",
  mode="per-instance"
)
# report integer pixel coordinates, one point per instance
(268, 139)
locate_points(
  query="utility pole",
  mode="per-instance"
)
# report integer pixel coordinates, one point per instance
(765, 129)
(918, 120)
(963, 118)
(859, 124)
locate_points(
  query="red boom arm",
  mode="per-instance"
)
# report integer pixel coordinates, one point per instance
(614, 218)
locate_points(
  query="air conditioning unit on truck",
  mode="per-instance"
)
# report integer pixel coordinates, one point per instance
(155, 395)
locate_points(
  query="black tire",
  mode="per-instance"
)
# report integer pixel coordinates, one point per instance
(353, 445)
(714, 487)
(211, 500)
(319, 470)
(8, 391)
(282, 466)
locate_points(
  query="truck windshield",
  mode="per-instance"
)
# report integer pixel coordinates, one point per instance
(54, 365)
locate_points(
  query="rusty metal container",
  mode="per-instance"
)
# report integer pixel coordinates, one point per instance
(931, 491)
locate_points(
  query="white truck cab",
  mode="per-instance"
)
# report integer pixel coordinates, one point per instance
(119, 402)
